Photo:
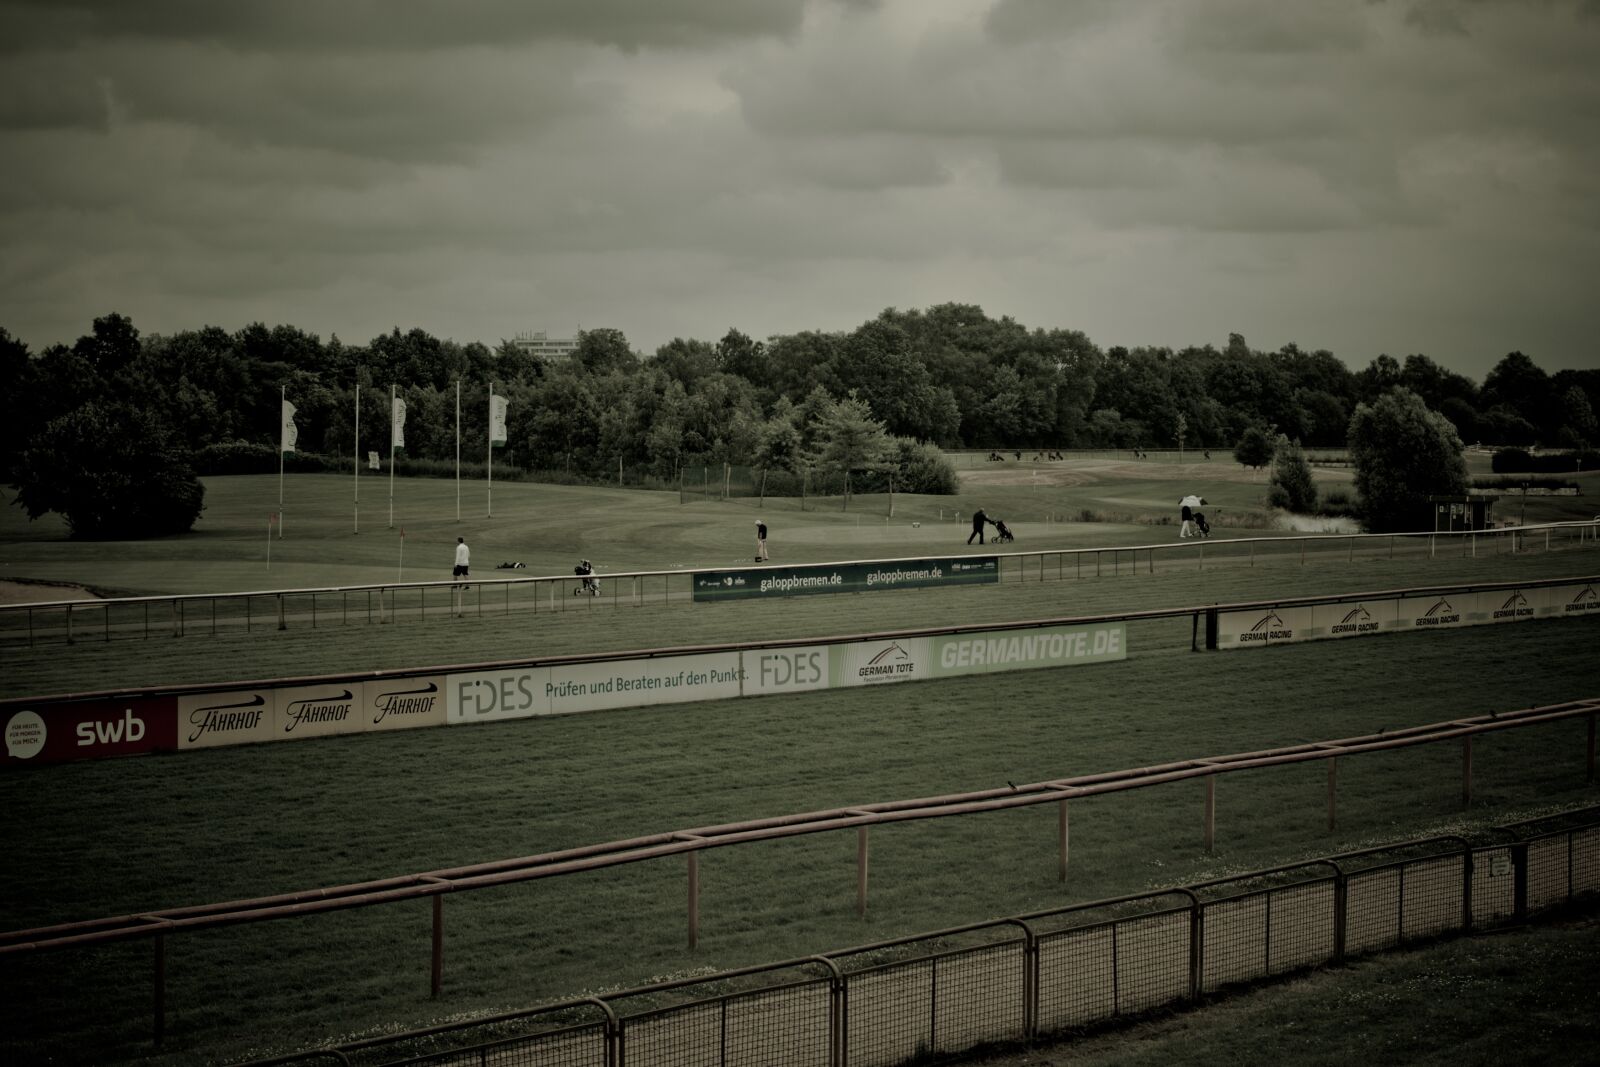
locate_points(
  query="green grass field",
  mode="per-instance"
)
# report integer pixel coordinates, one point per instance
(112, 837)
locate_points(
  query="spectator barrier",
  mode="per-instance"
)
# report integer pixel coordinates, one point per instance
(72, 621)
(70, 727)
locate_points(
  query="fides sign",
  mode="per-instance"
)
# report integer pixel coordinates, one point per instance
(485, 696)
(1243, 629)
(521, 692)
(845, 578)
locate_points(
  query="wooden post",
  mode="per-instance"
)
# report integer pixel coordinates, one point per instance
(694, 900)
(1333, 792)
(861, 871)
(1061, 834)
(1211, 812)
(1466, 771)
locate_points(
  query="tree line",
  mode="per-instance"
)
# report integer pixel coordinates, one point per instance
(870, 399)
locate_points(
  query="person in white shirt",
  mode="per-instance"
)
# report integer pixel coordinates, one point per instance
(463, 557)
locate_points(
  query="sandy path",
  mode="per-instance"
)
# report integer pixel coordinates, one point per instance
(14, 592)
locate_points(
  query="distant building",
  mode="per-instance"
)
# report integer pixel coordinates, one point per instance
(544, 347)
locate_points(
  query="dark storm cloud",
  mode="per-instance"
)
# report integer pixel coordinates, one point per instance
(1366, 175)
(347, 25)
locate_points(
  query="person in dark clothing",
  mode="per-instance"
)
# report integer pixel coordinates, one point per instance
(590, 584)
(761, 541)
(978, 519)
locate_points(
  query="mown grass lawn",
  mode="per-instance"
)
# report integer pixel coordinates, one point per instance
(106, 838)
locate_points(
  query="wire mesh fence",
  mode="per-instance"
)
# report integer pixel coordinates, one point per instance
(1070, 969)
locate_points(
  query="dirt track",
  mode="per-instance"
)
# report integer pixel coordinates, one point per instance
(12, 592)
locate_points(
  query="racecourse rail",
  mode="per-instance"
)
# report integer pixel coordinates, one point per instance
(1039, 974)
(209, 613)
(158, 925)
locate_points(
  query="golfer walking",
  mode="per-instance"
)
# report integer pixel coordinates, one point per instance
(1186, 508)
(978, 519)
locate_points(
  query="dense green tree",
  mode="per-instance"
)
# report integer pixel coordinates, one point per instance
(1403, 453)
(849, 439)
(686, 361)
(1290, 485)
(604, 350)
(1254, 448)
(111, 470)
(14, 401)
(1519, 385)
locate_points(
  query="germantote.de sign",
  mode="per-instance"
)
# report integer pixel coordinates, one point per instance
(845, 578)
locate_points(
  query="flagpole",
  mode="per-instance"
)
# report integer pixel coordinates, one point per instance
(489, 461)
(358, 459)
(458, 449)
(283, 399)
(391, 456)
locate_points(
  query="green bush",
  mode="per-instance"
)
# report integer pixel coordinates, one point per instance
(1339, 503)
(1291, 486)
(250, 457)
(1515, 460)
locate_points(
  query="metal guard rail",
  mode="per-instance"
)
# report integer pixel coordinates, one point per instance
(655, 846)
(1165, 546)
(1195, 612)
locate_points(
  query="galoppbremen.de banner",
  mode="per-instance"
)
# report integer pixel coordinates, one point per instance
(844, 578)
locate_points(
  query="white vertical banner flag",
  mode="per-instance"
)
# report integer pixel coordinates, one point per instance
(497, 420)
(397, 438)
(289, 434)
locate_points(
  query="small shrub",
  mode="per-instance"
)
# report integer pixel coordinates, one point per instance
(1339, 503)
(1517, 460)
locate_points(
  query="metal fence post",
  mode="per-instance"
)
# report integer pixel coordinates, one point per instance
(1211, 811)
(1333, 791)
(1197, 940)
(160, 983)
(1589, 763)
(1466, 771)
(694, 899)
(1341, 903)
(282, 625)
(1061, 840)
(1519, 881)
(436, 970)
(861, 871)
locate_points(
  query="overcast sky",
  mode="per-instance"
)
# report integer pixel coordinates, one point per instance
(1360, 175)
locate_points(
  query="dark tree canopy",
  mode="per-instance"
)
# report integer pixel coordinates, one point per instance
(1403, 453)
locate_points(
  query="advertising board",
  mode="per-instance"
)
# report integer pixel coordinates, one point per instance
(1021, 650)
(1360, 618)
(1437, 612)
(1567, 601)
(1507, 605)
(1264, 626)
(403, 703)
(844, 578)
(90, 730)
(786, 670)
(518, 693)
(231, 717)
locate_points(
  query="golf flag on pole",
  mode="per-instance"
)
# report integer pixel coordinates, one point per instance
(397, 438)
(497, 420)
(289, 434)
